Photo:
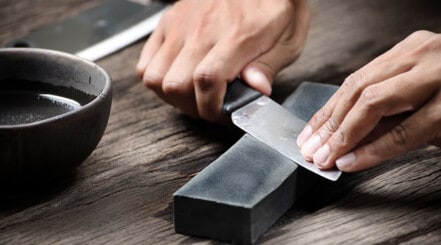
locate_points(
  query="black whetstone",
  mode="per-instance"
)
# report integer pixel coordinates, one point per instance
(242, 193)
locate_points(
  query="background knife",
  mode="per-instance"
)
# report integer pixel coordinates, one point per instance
(98, 31)
(270, 123)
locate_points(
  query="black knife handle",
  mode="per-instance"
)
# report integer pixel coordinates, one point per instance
(238, 94)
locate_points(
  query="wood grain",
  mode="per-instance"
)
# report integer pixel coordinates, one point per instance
(122, 193)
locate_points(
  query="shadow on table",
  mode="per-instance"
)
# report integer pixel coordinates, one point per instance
(316, 192)
(18, 192)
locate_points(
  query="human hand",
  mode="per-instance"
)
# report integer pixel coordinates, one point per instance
(200, 45)
(405, 82)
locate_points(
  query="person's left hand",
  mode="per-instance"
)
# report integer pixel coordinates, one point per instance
(404, 81)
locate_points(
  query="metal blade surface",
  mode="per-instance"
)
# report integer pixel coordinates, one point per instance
(275, 126)
(98, 31)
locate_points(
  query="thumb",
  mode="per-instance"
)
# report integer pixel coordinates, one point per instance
(258, 78)
(260, 73)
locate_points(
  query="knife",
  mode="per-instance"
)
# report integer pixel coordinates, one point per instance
(270, 123)
(98, 31)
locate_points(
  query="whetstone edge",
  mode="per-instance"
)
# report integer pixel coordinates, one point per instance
(243, 192)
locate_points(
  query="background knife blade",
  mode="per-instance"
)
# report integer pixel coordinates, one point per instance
(99, 31)
(270, 123)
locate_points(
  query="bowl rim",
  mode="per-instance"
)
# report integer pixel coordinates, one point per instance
(106, 91)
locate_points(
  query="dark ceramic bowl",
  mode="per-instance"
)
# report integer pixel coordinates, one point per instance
(54, 108)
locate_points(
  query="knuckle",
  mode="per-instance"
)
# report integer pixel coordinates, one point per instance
(340, 141)
(418, 52)
(355, 81)
(331, 125)
(205, 79)
(372, 149)
(399, 135)
(172, 88)
(427, 44)
(371, 99)
(168, 17)
(416, 38)
(419, 34)
(321, 116)
(151, 80)
(411, 46)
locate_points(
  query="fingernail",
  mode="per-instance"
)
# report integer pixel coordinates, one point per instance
(321, 155)
(311, 146)
(254, 76)
(304, 135)
(346, 161)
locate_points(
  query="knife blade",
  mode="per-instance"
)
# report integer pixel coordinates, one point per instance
(270, 123)
(98, 31)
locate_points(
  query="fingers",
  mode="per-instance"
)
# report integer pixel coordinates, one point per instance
(149, 50)
(375, 102)
(325, 122)
(404, 81)
(411, 133)
(328, 119)
(232, 54)
(178, 83)
(220, 65)
(159, 65)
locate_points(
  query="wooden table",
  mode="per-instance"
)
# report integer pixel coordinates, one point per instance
(123, 192)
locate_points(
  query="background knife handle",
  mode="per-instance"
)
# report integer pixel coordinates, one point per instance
(238, 94)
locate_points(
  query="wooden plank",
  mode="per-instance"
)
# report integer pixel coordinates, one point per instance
(123, 192)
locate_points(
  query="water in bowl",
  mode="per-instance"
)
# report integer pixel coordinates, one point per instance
(23, 102)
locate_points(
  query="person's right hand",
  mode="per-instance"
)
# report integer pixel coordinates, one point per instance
(201, 45)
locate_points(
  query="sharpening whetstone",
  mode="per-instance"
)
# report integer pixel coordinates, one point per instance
(243, 192)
